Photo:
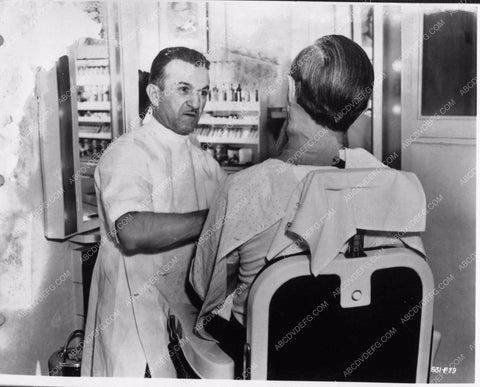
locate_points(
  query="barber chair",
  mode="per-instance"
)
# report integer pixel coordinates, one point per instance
(367, 317)
(301, 327)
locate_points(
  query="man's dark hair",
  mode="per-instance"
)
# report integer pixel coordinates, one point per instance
(164, 57)
(333, 81)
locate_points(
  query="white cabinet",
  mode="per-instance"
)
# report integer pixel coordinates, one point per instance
(81, 112)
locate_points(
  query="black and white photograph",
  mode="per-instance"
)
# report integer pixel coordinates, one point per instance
(244, 192)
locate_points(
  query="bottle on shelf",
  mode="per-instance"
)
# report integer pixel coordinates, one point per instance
(82, 146)
(104, 144)
(215, 93)
(246, 92)
(238, 94)
(232, 156)
(95, 146)
(244, 156)
(80, 92)
(232, 92)
(91, 148)
(85, 93)
(220, 153)
(223, 93)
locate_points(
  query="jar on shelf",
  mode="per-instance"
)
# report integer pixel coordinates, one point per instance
(103, 145)
(232, 155)
(221, 153)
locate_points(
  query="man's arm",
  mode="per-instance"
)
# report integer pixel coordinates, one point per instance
(153, 232)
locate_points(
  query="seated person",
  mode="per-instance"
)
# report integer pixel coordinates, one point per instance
(330, 84)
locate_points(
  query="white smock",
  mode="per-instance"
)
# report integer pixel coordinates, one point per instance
(148, 169)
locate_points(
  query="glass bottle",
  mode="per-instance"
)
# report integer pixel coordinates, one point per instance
(256, 92)
(215, 93)
(238, 93)
(232, 92)
(246, 92)
(223, 93)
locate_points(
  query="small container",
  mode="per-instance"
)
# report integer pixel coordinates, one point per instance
(221, 153)
(67, 360)
(244, 156)
(232, 155)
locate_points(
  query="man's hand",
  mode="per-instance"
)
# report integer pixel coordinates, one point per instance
(151, 232)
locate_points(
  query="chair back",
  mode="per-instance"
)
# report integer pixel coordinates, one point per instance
(365, 319)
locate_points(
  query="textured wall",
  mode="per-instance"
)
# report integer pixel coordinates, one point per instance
(35, 293)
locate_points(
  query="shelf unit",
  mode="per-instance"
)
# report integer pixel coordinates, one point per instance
(94, 106)
(74, 107)
(93, 93)
(234, 125)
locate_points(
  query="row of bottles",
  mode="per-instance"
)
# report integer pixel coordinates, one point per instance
(93, 93)
(227, 155)
(232, 94)
(227, 133)
(219, 118)
(88, 71)
(92, 148)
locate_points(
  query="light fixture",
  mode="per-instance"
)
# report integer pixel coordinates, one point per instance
(397, 65)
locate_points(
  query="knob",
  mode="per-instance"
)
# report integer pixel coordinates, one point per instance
(356, 295)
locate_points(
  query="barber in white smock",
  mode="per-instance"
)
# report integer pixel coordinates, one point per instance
(154, 188)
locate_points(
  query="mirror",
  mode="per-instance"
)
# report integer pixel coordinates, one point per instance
(449, 63)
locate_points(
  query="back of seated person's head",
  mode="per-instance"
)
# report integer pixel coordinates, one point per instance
(333, 81)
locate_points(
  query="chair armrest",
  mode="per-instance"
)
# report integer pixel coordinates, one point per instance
(204, 356)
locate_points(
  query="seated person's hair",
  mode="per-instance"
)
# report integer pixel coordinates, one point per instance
(333, 81)
(165, 56)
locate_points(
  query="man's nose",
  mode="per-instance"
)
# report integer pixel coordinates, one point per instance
(194, 101)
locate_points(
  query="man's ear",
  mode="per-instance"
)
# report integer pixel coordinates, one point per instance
(292, 94)
(153, 92)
